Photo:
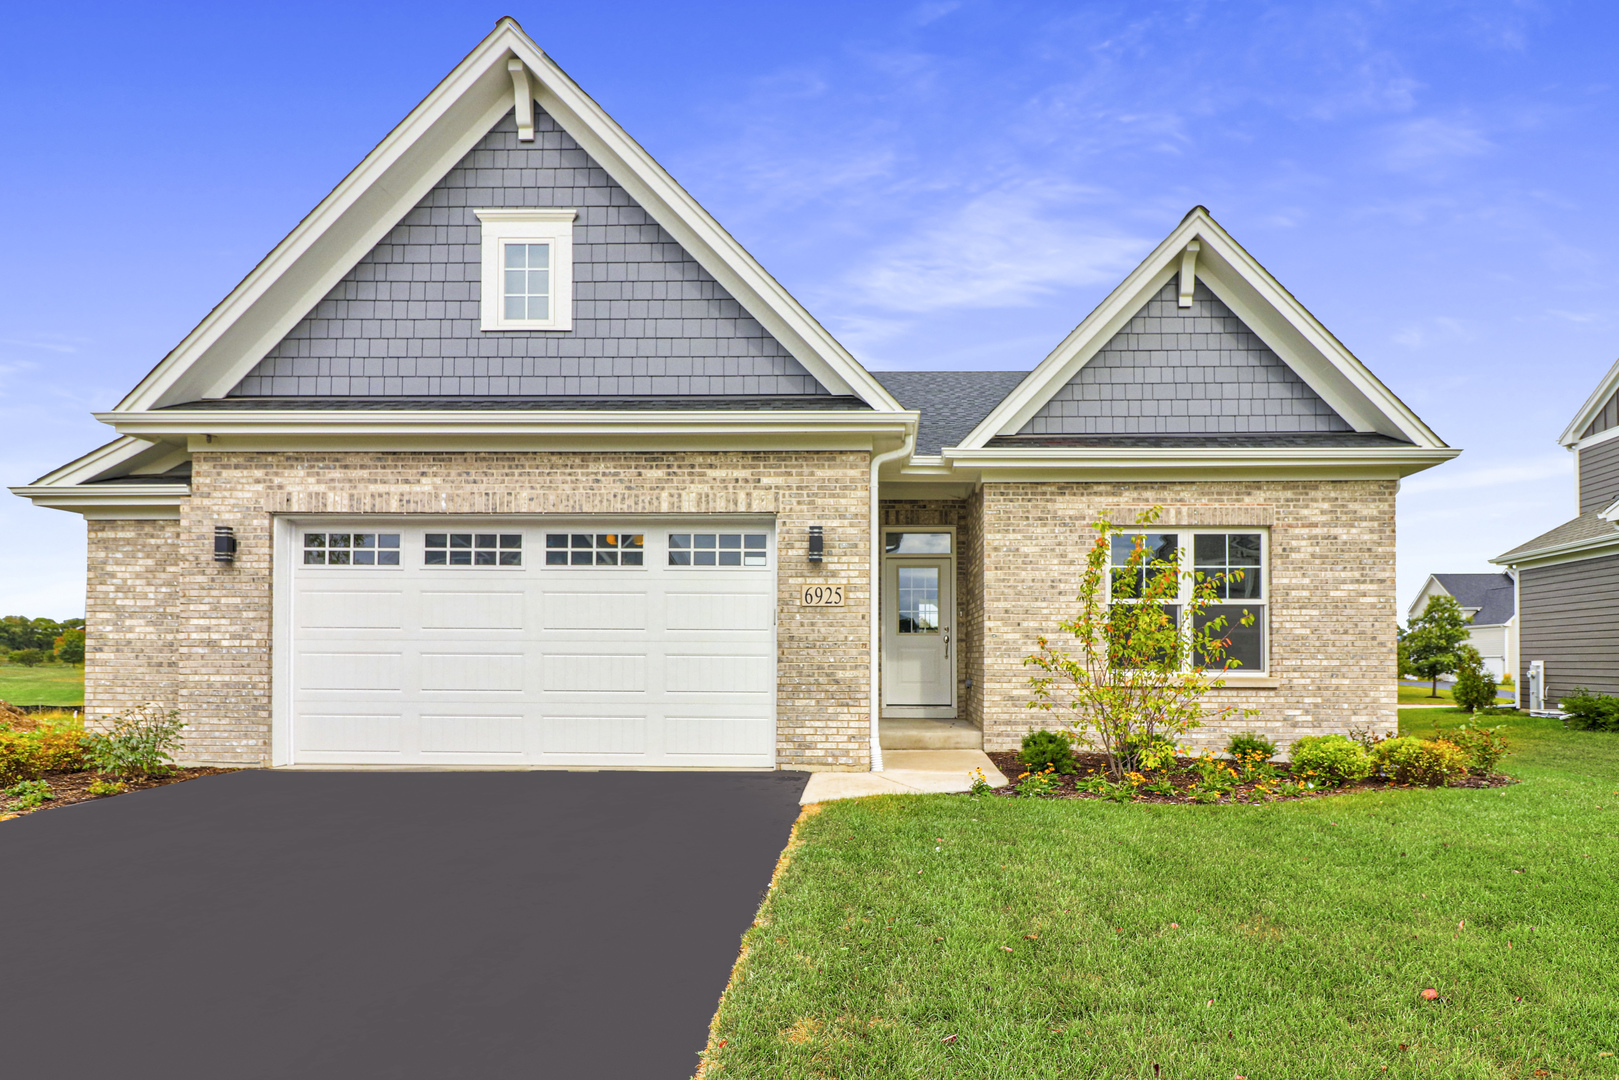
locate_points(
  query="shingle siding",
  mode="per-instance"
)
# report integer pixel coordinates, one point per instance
(1599, 476)
(1174, 370)
(648, 320)
(1568, 617)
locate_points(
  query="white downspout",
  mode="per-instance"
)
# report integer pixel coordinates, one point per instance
(877, 462)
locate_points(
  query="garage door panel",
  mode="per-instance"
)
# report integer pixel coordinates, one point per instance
(372, 734)
(712, 736)
(352, 609)
(583, 673)
(690, 610)
(473, 734)
(690, 674)
(568, 610)
(465, 610)
(593, 735)
(347, 671)
(466, 662)
(470, 672)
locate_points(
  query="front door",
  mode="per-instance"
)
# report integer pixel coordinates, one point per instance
(918, 673)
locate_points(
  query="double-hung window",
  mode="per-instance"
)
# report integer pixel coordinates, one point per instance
(527, 265)
(1238, 557)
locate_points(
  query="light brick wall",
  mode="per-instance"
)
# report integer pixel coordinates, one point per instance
(131, 615)
(224, 630)
(1332, 613)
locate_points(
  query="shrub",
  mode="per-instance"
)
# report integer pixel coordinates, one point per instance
(1483, 744)
(1042, 748)
(142, 740)
(1248, 745)
(25, 755)
(28, 794)
(1475, 686)
(1596, 712)
(114, 787)
(1431, 763)
(1148, 751)
(28, 657)
(1330, 760)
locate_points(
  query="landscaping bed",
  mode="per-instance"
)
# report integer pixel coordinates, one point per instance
(1185, 781)
(68, 788)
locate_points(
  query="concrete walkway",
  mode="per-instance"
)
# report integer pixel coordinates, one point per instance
(905, 772)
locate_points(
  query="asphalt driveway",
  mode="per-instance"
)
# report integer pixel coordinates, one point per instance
(383, 924)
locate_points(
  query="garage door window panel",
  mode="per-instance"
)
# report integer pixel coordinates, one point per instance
(473, 549)
(594, 549)
(719, 549)
(351, 549)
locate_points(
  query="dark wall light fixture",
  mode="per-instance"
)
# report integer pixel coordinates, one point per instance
(224, 544)
(817, 544)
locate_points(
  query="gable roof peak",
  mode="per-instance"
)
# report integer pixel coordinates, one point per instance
(405, 166)
(1254, 296)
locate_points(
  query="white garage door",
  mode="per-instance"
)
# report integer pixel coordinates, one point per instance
(529, 641)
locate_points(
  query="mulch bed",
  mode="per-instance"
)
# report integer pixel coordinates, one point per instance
(1091, 765)
(74, 787)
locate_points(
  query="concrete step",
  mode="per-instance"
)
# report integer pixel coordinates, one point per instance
(909, 734)
(906, 772)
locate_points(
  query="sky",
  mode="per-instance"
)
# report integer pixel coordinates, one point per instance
(944, 185)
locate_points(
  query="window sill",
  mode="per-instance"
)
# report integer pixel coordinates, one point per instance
(1251, 682)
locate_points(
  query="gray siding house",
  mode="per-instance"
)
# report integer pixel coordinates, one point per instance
(1568, 577)
(1490, 602)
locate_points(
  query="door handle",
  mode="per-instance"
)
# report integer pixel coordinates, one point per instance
(947, 643)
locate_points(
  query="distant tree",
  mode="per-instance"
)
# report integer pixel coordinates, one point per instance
(28, 657)
(70, 646)
(1434, 638)
(1475, 685)
(1402, 652)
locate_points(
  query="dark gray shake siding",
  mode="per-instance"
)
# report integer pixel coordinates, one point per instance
(648, 320)
(1569, 618)
(1174, 370)
(1599, 476)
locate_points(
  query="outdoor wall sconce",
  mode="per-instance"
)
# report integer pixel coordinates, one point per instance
(224, 544)
(817, 544)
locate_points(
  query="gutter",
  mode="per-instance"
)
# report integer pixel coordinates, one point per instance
(877, 462)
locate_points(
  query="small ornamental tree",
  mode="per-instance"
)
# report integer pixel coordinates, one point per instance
(1434, 640)
(70, 647)
(1142, 657)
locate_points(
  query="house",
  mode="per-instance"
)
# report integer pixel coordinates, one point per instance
(510, 454)
(1568, 577)
(1490, 602)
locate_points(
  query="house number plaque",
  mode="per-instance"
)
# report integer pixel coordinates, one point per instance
(823, 596)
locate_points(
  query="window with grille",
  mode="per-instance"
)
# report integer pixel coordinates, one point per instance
(594, 549)
(351, 549)
(473, 549)
(718, 549)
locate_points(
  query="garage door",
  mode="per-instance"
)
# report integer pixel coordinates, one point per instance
(529, 642)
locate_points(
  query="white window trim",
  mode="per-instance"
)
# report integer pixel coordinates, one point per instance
(551, 225)
(1260, 607)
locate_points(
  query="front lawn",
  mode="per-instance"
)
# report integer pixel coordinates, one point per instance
(46, 684)
(1069, 938)
(1421, 695)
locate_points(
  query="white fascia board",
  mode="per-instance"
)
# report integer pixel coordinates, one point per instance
(1204, 463)
(120, 457)
(422, 429)
(1256, 297)
(1591, 548)
(109, 501)
(1592, 440)
(1599, 397)
(400, 171)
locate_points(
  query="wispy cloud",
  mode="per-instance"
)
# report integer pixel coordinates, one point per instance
(1489, 476)
(1007, 248)
(55, 343)
(1430, 145)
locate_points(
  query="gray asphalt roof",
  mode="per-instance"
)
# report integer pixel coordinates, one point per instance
(951, 402)
(1492, 594)
(560, 404)
(1587, 526)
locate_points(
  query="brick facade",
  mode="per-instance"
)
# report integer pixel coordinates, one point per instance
(131, 614)
(918, 513)
(217, 667)
(1332, 616)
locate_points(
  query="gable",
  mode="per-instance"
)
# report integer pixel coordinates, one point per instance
(1173, 370)
(648, 319)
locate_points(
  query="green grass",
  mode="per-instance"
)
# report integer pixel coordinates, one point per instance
(47, 684)
(1307, 931)
(1419, 695)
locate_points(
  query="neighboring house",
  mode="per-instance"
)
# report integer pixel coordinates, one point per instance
(1568, 578)
(510, 454)
(1490, 601)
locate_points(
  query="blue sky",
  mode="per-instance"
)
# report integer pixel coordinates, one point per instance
(945, 185)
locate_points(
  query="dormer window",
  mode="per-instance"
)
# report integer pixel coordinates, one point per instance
(527, 269)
